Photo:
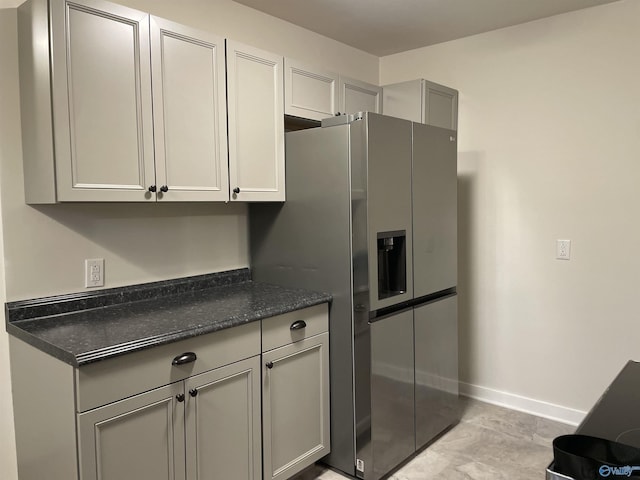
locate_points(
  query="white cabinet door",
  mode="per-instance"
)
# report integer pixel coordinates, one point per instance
(295, 406)
(256, 124)
(440, 105)
(223, 423)
(189, 108)
(141, 437)
(101, 102)
(310, 92)
(422, 101)
(357, 96)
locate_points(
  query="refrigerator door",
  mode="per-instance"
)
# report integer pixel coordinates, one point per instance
(392, 393)
(436, 364)
(435, 231)
(389, 210)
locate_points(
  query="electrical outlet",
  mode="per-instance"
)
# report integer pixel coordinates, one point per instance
(563, 249)
(94, 272)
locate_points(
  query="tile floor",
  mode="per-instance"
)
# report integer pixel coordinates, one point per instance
(489, 443)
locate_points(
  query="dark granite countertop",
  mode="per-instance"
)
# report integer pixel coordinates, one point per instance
(113, 322)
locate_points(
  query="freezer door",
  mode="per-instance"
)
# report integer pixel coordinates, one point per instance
(436, 364)
(434, 187)
(392, 393)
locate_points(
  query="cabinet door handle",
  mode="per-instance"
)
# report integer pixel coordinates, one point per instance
(164, 189)
(298, 325)
(152, 188)
(269, 364)
(193, 392)
(236, 190)
(186, 357)
(180, 397)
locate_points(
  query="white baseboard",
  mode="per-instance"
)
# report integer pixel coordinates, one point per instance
(540, 408)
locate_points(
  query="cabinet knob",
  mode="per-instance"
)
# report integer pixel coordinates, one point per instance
(180, 397)
(164, 189)
(269, 364)
(298, 325)
(186, 357)
(236, 190)
(193, 392)
(152, 188)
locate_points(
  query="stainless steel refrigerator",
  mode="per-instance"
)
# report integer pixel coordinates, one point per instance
(371, 217)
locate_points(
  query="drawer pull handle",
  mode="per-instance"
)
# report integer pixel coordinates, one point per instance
(180, 397)
(269, 365)
(193, 392)
(298, 325)
(186, 357)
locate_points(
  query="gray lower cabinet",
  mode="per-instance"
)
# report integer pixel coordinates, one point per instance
(223, 423)
(140, 437)
(295, 406)
(216, 415)
(151, 415)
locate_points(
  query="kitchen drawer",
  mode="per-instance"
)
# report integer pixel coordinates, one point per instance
(110, 380)
(276, 331)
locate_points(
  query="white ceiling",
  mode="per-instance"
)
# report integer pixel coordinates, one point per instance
(384, 27)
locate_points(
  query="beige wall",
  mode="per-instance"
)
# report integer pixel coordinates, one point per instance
(9, 148)
(549, 148)
(244, 24)
(45, 246)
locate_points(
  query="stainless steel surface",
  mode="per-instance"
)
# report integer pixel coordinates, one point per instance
(436, 367)
(551, 475)
(388, 196)
(435, 207)
(362, 333)
(340, 119)
(346, 184)
(392, 393)
(306, 242)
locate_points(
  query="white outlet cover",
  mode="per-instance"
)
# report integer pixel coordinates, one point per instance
(563, 249)
(94, 272)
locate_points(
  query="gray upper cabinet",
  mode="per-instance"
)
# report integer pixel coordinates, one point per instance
(422, 101)
(357, 96)
(99, 146)
(310, 92)
(256, 124)
(139, 109)
(103, 62)
(189, 107)
(314, 93)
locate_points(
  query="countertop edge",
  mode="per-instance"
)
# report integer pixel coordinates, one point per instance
(85, 358)
(42, 345)
(231, 322)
